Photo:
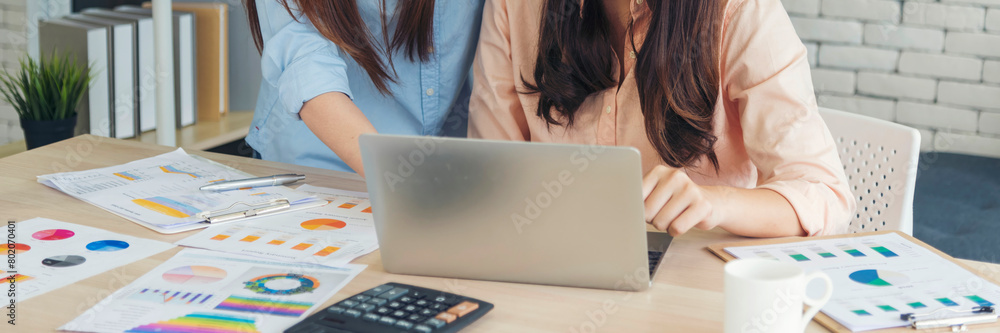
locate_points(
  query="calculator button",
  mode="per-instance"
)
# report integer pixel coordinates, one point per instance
(352, 313)
(348, 304)
(371, 317)
(365, 307)
(335, 310)
(394, 293)
(428, 312)
(395, 305)
(387, 320)
(361, 298)
(406, 299)
(383, 311)
(446, 317)
(410, 308)
(377, 290)
(404, 324)
(415, 318)
(417, 295)
(377, 301)
(423, 329)
(422, 303)
(439, 307)
(434, 322)
(400, 314)
(463, 308)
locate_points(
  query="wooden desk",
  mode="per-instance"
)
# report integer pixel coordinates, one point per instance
(686, 296)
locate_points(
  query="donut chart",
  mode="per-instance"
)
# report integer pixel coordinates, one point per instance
(53, 234)
(323, 224)
(297, 284)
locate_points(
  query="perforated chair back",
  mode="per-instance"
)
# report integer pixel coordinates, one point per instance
(880, 159)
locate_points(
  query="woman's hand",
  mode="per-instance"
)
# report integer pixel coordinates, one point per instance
(675, 204)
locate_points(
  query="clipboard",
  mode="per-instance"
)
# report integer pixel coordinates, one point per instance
(833, 325)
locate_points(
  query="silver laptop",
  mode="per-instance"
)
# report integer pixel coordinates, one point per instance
(555, 214)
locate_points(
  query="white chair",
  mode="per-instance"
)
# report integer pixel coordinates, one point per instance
(880, 159)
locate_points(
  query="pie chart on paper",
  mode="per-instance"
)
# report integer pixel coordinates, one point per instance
(63, 261)
(879, 278)
(194, 275)
(53, 234)
(107, 245)
(323, 224)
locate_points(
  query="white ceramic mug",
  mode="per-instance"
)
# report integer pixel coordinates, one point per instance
(765, 295)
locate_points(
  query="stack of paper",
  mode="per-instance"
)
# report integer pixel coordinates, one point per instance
(330, 235)
(203, 291)
(162, 192)
(877, 278)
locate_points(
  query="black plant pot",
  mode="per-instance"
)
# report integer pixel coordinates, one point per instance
(38, 133)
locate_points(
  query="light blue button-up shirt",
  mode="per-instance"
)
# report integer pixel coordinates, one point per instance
(298, 64)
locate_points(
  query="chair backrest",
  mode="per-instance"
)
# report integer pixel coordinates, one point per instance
(880, 159)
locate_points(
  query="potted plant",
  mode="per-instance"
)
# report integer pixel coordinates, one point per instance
(45, 94)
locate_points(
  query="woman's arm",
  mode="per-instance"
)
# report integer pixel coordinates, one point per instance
(336, 121)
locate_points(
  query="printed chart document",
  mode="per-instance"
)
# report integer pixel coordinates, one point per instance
(331, 235)
(205, 291)
(50, 254)
(877, 278)
(162, 192)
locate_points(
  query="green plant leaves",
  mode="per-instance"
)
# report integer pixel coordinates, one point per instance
(47, 89)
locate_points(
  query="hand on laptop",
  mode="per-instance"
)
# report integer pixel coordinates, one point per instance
(674, 203)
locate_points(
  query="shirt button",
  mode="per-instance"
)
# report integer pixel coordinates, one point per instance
(430, 49)
(638, 1)
(607, 110)
(631, 54)
(430, 91)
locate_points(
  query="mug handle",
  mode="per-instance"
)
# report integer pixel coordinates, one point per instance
(815, 304)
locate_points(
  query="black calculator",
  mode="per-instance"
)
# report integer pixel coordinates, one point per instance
(396, 307)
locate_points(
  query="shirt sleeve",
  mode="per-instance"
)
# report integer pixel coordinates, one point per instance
(300, 62)
(766, 77)
(495, 112)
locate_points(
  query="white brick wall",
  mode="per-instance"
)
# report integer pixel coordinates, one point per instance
(867, 10)
(961, 18)
(930, 64)
(13, 18)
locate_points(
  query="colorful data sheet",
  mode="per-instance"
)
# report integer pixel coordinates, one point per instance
(204, 291)
(331, 235)
(50, 254)
(877, 278)
(162, 192)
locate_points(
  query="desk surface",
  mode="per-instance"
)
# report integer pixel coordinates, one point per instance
(686, 296)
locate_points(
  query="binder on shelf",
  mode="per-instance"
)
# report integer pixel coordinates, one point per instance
(146, 62)
(121, 37)
(185, 86)
(212, 42)
(89, 44)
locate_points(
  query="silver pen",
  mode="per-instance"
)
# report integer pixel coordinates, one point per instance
(253, 182)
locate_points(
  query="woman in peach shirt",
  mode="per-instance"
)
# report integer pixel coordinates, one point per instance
(716, 96)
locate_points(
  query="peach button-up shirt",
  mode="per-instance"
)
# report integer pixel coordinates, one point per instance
(770, 134)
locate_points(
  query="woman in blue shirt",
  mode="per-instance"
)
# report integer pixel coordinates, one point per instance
(334, 69)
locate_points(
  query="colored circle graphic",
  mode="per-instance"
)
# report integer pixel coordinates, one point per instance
(323, 224)
(63, 261)
(282, 284)
(20, 248)
(194, 275)
(879, 278)
(53, 234)
(107, 245)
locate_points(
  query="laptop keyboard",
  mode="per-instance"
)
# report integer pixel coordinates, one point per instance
(654, 260)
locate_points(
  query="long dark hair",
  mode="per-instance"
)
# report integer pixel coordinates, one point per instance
(676, 70)
(340, 22)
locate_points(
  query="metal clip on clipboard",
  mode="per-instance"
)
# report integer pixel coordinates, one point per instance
(977, 315)
(219, 216)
